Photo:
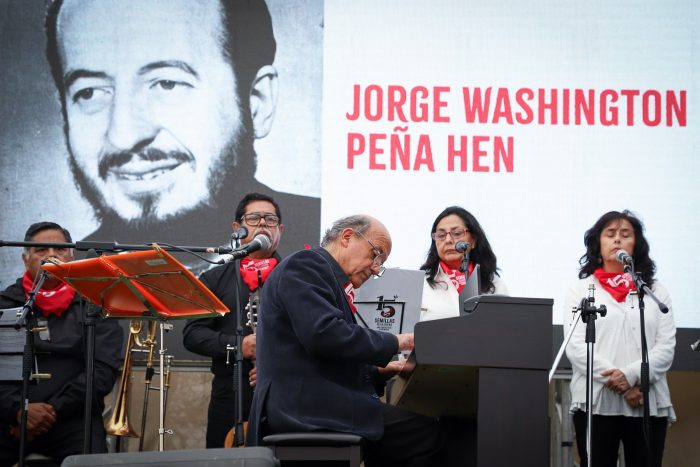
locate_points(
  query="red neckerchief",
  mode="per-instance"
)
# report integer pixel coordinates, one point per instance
(250, 267)
(617, 284)
(350, 294)
(458, 278)
(50, 302)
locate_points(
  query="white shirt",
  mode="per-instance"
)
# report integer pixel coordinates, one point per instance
(443, 300)
(618, 345)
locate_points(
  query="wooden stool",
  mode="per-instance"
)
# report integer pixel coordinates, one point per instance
(316, 447)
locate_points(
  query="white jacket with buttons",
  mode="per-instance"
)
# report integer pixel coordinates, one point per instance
(618, 345)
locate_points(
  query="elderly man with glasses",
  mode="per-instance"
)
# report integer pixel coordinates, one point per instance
(238, 285)
(318, 370)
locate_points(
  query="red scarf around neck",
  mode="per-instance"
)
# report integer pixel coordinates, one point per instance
(617, 284)
(458, 278)
(250, 267)
(350, 294)
(51, 301)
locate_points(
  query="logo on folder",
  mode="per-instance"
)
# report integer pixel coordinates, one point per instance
(382, 314)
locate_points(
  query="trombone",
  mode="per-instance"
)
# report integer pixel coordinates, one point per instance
(119, 425)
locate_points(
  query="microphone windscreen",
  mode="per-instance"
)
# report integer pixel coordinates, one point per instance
(622, 256)
(462, 247)
(264, 241)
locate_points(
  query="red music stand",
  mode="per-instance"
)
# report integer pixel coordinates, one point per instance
(148, 284)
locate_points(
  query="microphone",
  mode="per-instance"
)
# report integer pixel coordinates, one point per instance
(240, 232)
(462, 247)
(260, 242)
(623, 257)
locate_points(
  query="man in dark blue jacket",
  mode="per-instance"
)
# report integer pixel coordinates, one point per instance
(318, 370)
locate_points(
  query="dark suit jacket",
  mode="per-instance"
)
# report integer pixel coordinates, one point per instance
(210, 336)
(316, 366)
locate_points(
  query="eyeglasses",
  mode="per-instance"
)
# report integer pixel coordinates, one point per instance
(253, 219)
(456, 234)
(377, 259)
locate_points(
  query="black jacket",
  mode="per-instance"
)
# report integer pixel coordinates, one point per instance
(316, 366)
(209, 336)
(64, 357)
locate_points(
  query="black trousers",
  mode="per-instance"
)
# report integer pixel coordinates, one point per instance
(459, 441)
(63, 440)
(609, 431)
(409, 440)
(222, 411)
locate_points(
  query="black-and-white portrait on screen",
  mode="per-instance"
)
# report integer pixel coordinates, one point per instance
(147, 120)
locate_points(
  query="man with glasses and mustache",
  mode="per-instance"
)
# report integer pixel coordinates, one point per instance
(235, 283)
(318, 370)
(162, 101)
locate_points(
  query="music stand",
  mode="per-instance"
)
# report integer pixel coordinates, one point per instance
(11, 346)
(148, 284)
(22, 316)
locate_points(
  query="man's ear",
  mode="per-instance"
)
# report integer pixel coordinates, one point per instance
(235, 225)
(345, 236)
(263, 100)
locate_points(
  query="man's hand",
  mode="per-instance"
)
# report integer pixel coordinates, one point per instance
(41, 417)
(617, 380)
(405, 341)
(393, 368)
(253, 377)
(249, 347)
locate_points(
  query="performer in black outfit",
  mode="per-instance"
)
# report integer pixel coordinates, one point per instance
(55, 424)
(235, 283)
(321, 371)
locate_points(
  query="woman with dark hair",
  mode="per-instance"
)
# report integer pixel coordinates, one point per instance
(617, 401)
(443, 280)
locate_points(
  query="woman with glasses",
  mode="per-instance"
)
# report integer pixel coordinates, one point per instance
(443, 279)
(443, 282)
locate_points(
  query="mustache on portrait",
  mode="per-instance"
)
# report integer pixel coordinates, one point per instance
(117, 159)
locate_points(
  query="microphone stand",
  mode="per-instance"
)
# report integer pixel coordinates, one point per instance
(115, 247)
(589, 314)
(464, 267)
(586, 311)
(642, 289)
(90, 320)
(25, 319)
(94, 249)
(238, 435)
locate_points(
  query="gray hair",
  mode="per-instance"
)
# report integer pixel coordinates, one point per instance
(359, 223)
